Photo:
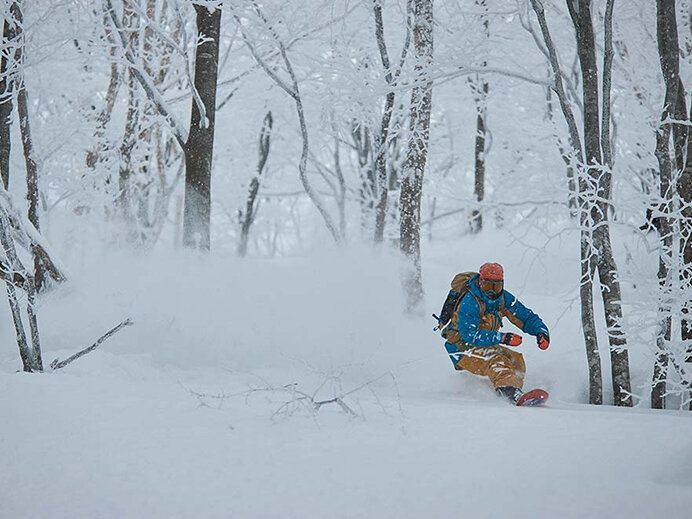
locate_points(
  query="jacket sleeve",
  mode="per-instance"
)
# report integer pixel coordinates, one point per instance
(469, 324)
(523, 317)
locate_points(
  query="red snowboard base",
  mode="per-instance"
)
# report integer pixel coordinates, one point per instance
(535, 397)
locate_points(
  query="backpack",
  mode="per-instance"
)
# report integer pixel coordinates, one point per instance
(460, 286)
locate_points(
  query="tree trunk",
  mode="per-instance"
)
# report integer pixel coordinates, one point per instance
(94, 155)
(381, 169)
(665, 304)
(31, 168)
(131, 22)
(683, 155)
(586, 253)
(597, 184)
(11, 33)
(593, 358)
(130, 138)
(199, 147)
(417, 153)
(360, 134)
(608, 55)
(31, 356)
(668, 51)
(32, 189)
(250, 209)
(480, 89)
(612, 302)
(569, 163)
(672, 193)
(382, 140)
(341, 182)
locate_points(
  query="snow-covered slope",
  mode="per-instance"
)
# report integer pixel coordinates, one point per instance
(130, 441)
(161, 420)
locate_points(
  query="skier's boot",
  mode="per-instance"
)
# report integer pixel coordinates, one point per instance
(510, 393)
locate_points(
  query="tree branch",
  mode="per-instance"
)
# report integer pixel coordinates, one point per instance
(146, 82)
(558, 85)
(57, 364)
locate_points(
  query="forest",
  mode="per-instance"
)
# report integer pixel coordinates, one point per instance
(207, 204)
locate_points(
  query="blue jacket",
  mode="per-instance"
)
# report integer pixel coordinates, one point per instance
(469, 317)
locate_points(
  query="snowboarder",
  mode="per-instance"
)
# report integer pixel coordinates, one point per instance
(470, 321)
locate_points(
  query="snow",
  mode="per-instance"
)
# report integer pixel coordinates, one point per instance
(136, 445)
(173, 416)
(157, 422)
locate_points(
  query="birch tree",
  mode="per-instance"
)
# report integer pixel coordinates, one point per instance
(480, 88)
(417, 153)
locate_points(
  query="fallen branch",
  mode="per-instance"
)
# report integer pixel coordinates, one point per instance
(297, 399)
(57, 363)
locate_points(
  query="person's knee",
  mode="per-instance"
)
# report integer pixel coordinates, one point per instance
(503, 372)
(500, 362)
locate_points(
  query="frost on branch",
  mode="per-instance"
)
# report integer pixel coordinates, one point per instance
(57, 363)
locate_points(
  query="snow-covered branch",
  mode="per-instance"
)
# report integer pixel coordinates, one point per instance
(146, 82)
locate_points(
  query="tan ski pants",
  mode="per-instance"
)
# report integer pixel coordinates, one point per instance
(504, 367)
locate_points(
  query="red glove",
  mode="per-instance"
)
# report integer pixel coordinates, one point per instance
(543, 340)
(511, 339)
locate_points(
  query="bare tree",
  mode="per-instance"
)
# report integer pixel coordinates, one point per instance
(291, 88)
(9, 62)
(602, 175)
(199, 148)
(13, 227)
(198, 144)
(381, 139)
(594, 180)
(480, 88)
(417, 152)
(131, 22)
(675, 214)
(598, 179)
(31, 360)
(12, 86)
(248, 216)
(32, 191)
(362, 145)
(95, 155)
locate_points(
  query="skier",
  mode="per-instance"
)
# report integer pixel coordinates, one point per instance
(471, 319)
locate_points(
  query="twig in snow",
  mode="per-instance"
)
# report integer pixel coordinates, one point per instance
(298, 399)
(202, 397)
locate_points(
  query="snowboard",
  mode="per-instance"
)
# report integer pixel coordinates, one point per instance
(535, 397)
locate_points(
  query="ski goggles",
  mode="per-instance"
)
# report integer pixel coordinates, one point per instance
(491, 286)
